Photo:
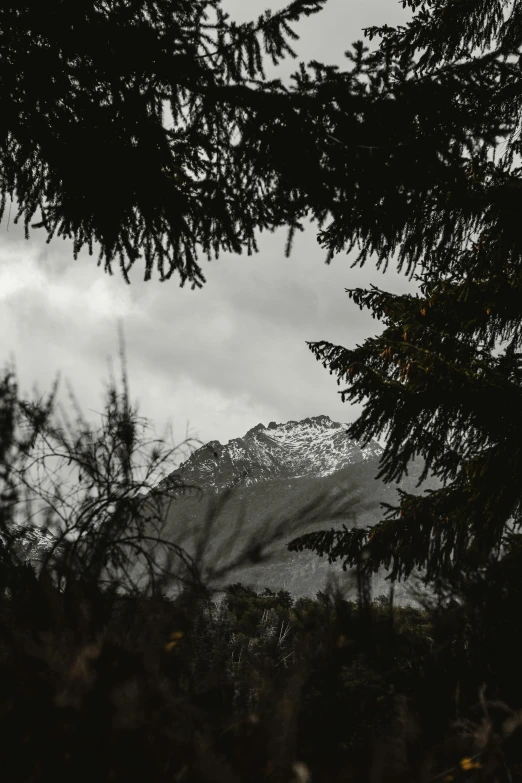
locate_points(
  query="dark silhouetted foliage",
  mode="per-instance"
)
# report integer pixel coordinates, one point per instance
(82, 137)
(118, 661)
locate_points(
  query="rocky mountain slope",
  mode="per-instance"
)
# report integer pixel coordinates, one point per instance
(313, 447)
(278, 481)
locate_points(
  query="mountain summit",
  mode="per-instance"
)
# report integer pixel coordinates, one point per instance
(289, 478)
(313, 447)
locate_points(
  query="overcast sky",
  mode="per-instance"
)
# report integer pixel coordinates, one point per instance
(219, 360)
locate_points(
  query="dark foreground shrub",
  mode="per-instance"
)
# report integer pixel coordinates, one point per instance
(104, 678)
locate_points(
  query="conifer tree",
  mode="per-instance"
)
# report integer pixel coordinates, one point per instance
(443, 380)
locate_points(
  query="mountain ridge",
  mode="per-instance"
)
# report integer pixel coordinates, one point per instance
(314, 446)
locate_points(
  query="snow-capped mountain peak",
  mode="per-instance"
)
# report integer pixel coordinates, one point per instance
(315, 446)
